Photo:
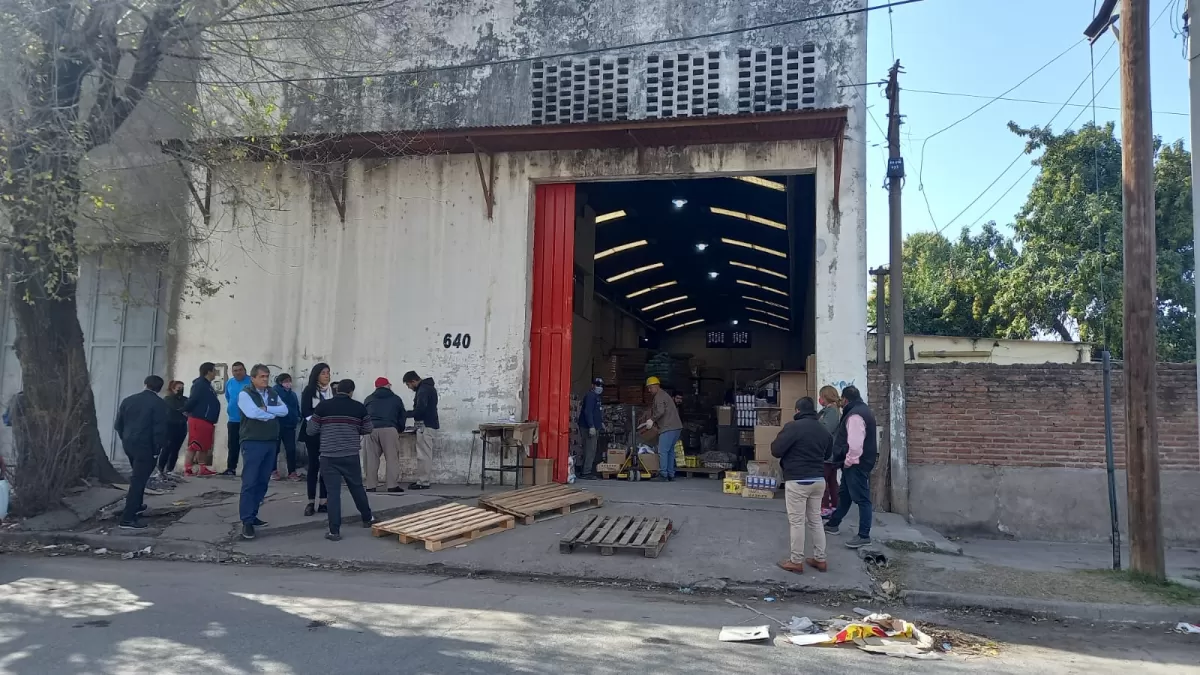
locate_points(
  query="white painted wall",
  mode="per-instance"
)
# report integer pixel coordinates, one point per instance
(929, 348)
(417, 258)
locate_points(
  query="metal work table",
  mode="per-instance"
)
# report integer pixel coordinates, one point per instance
(518, 436)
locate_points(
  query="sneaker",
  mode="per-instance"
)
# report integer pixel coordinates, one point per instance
(858, 542)
(229, 472)
(368, 522)
(247, 531)
(396, 490)
(309, 509)
(259, 522)
(205, 471)
(187, 469)
(832, 530)
(797, 568)
(293, 476)
(417, 486)
(818, 565)
(322, 508)
(135, 525)
(274, 475)
(333, 536)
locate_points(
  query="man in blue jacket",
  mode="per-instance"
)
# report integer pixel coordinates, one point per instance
(591, 422)
(233, 389)
(287, 425)
(203, 409)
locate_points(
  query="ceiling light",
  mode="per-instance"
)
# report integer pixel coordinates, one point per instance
(713, 275)
(763, 311)
(612, 215)
(767, 323)
(734, 322)
(656, 305)
(757, 269)
(753, 247)
(639, 270)
(766, 302)
(765, 288)
(701, 246)
(679, 202)
(682, 311)
(618, 249)
(652, 288)
(762, 182)
(685, 325)
(746, 216)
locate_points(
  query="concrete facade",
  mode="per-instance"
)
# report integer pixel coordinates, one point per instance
(947, 349)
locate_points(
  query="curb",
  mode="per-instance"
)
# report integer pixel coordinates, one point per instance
(112, 542)
(1062, 609)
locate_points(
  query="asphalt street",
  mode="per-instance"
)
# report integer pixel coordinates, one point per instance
(75, 615)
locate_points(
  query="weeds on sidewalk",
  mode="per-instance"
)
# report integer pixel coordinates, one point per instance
(1169, 592)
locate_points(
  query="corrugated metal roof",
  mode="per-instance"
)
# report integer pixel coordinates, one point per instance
(679, 131)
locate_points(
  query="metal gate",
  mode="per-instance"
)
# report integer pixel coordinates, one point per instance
(122, 296)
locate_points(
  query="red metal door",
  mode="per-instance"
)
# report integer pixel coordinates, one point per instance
(550, 324)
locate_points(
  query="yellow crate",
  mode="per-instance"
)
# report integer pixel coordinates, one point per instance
(693, 461)
(738, 476)
(732, 487)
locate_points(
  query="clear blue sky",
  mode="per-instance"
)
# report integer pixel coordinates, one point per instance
(984, 47)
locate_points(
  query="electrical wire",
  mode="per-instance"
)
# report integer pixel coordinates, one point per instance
(577, 52)
(921, 159)
(1029, 100)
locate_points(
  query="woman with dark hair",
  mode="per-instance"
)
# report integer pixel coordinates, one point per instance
(317, 389)
(177, 429)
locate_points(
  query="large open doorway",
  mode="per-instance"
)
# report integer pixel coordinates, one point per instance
(706, 283)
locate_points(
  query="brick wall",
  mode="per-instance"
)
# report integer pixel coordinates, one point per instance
(1045, 415)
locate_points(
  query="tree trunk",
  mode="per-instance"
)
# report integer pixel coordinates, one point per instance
(1062, 331)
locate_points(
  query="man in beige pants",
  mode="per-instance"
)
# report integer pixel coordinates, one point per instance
(425, 419)
(801, 447)
(387, 417)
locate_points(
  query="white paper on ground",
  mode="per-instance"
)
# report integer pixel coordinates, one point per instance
(744, 633)
(810, 639)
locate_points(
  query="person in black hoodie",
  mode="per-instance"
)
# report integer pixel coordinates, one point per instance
(316, 390)
(176, 428)
(203, 410)
(387, 418)
(801, 447)
(425, 418)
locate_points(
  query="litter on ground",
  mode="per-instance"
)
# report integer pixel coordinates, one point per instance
(1187, 628)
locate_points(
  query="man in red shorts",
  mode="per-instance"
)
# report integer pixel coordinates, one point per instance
(203, 410)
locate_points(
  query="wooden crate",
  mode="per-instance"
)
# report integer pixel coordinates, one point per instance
(699, 472)
(445, 526)
(615, 533)
(542, 502)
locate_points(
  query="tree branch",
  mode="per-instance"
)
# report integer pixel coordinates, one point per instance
(1062, 331)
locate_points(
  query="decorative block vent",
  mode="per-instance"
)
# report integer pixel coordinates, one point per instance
(589, 89)
(683, 85)
(777, 78)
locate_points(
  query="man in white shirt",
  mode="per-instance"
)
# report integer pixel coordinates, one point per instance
(261, 409)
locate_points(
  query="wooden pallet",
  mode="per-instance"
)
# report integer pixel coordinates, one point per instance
(613, 533)
(445, 526)
(542, 502)
(699, 472)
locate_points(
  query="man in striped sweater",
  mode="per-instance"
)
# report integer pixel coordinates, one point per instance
(341, 422)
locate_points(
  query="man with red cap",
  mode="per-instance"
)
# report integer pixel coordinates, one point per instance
(387, 416)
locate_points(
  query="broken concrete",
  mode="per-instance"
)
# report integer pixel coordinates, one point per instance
(88, 503)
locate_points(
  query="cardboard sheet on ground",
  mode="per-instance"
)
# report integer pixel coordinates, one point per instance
(744, 633)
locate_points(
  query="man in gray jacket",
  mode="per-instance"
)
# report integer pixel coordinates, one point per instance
(387, 417)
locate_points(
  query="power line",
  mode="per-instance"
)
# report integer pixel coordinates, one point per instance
(1095, 93)
(578, 52)
(921, 160)
(1030, 100)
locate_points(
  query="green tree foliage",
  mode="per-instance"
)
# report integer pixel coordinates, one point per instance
(1060, 272)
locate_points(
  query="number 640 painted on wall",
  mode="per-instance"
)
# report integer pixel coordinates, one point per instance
(458, 340)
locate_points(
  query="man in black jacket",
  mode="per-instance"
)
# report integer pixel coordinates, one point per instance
(425, 418)
(387, 418)
(142, 425)
(854, 452)
(802, 446)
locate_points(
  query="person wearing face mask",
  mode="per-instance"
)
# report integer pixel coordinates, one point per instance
(591, 421)
(287, 425)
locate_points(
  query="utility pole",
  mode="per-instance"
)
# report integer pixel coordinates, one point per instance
(880, 273)
(1140, 302)
(1193, 51)
(897, 418)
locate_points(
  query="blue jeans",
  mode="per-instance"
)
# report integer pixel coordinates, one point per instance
(666, 452)
(258, 461)
(856, 487)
